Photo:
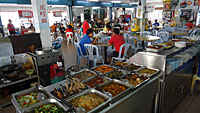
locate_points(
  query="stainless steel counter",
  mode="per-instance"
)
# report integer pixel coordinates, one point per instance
(176, 85)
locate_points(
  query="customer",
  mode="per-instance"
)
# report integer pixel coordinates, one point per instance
(156, 24)
(116, 40)
(85, 26)
(53, 27)
(109, 30)
(190, 24)
(69, 29)
(80, 31)
(11, 27)
(31, 28)
(86, 40)
(62, 30)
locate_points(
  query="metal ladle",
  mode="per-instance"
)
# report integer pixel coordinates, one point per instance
(100, 89)
(40, 95)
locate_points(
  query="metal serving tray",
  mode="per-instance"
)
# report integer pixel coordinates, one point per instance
(141, 67)
(52, 93)
(133, 87)
(122, 94)
(105, 79)
(48, 101)
(100, 73)
(154, 50)
(95, 110)
(89, 70)
(124, 72)
(157, 71)
(30, 90)
(118, 66)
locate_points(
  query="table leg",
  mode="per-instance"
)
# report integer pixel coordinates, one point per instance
(105, 54)
(143, 45)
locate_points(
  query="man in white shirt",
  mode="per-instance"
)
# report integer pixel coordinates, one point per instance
(64, 22)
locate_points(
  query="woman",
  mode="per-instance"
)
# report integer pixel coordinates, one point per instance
(69, 29)
(11, 27)
(31, 28)
(80, 32)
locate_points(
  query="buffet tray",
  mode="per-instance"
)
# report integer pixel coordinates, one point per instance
(89, 70)
(33, 89)
(150, 76)
(125, 72)
(122, 94)
(50, 89)
(48, 101)
(154, 50)
(134, 87)
(106, 79)
(100, 73)
(107, 98)
(141, 67)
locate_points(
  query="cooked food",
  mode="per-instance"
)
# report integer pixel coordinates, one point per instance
(98, 80)
(147, 71)
(132, 67)
(115, 74)
(167, 45)
(84, 75)
(70, 89)
(156, 46)
(88, 102)
(28, 100)
(104, 69)
(121, 64)
(48, 108)
(114, 89)
(135, 79)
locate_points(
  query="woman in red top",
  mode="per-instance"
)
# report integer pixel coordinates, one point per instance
(11, 27)
(69, 29)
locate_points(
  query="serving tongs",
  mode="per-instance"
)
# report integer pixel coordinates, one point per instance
(100, 89)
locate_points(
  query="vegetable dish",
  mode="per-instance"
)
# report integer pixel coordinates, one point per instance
(48, 108)
(88, 102)
(114, 89)
(27, 100)
(132, 67)
(114, 74)
(147, 71)
(121, 64)
(84, 75)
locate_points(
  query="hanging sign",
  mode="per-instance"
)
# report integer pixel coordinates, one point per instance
(25, 13)
(57, 14)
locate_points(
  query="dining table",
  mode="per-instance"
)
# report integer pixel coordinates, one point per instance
(105, 45)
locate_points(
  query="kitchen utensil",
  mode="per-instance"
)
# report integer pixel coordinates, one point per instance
(40, 95)
(100, 89)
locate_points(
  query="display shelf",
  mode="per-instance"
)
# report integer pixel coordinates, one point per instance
(15, 82)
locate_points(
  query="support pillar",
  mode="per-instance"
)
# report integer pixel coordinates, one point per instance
(41, 20)
(142, 19)
(109, 13)
(124, 9)
(71, 14)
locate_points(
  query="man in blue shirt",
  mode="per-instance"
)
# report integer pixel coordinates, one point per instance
(156, 23)
(86, 40)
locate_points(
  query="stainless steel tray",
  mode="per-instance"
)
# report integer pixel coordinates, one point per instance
(118, 66)
(48, 101)
(52, 93)
(124, 72)
(154, 50)
(157, 71)
(95, 110)
(133, 87)
(15, 95)
(141, 66)
(105, 79)
(75, 74)
(100, 73)
(122, 94)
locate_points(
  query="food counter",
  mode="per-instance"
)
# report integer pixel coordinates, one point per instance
(124, 92)
(177, 66)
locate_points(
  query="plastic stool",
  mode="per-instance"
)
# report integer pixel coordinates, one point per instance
(195, 77)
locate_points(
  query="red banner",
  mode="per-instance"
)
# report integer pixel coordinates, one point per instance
(57, 13)
(25, 13)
